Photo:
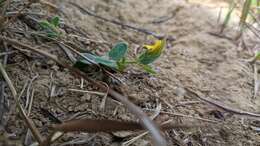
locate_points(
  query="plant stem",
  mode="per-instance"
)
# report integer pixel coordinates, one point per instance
(131, 62)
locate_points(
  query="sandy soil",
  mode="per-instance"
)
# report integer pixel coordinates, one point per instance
(196, 59)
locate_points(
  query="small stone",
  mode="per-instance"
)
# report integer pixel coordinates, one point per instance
(85, 97)
(50, 62)
(180, 92)
(55, 67)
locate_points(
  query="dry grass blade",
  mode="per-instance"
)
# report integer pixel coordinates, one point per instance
(51, 5)
(245, 12)
(90, 92)
(51, 139)
(145, 121)
(187, 116)
(131, 141)
(256, 81)
(227, 18)
(104, 99)
(28, 121)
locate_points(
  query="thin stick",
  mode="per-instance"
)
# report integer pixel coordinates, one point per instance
(157, 111)
(28, 92)
(187, 116)
(142, 30)
(131, 141)
(7, 53)
(44, 2)
(29, 133)
(145, 121)
(85, 91)
(2, 88)
(187, 103)
(219, 15)
(28, 121)
(104, 99)
(224, 107)
(256, 81)
(51, 138)
(30, 103)
(192, 117)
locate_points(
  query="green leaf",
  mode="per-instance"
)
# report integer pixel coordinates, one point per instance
(55, 21)
(85, 67)
(255, 2)
(52, 34)
(48, 29)
(121, 65)
(257, 55)
(118, 51)
(45, 24)
(80, 64)
(91, 57)
(99, 60)
(148, 69)
(148, 57)
(106, 62)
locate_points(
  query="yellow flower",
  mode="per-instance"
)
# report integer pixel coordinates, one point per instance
(156, 47)
(153, 52)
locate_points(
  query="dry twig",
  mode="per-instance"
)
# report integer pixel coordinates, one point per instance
(193, 94)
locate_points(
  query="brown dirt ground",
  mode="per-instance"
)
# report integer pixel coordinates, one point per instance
(196, 59)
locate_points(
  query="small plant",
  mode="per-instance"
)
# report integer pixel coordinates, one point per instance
(248, 9)
(51, 28)
(116, 58)
(245, 11)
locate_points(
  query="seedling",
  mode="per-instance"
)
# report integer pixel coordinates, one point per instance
(116, 58)
(257, 55)
(51, 28)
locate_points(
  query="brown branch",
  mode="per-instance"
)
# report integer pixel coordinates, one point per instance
(145, 121)
(104, 125)
(92, 125)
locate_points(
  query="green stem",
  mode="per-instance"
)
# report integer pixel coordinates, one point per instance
(131, 62)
